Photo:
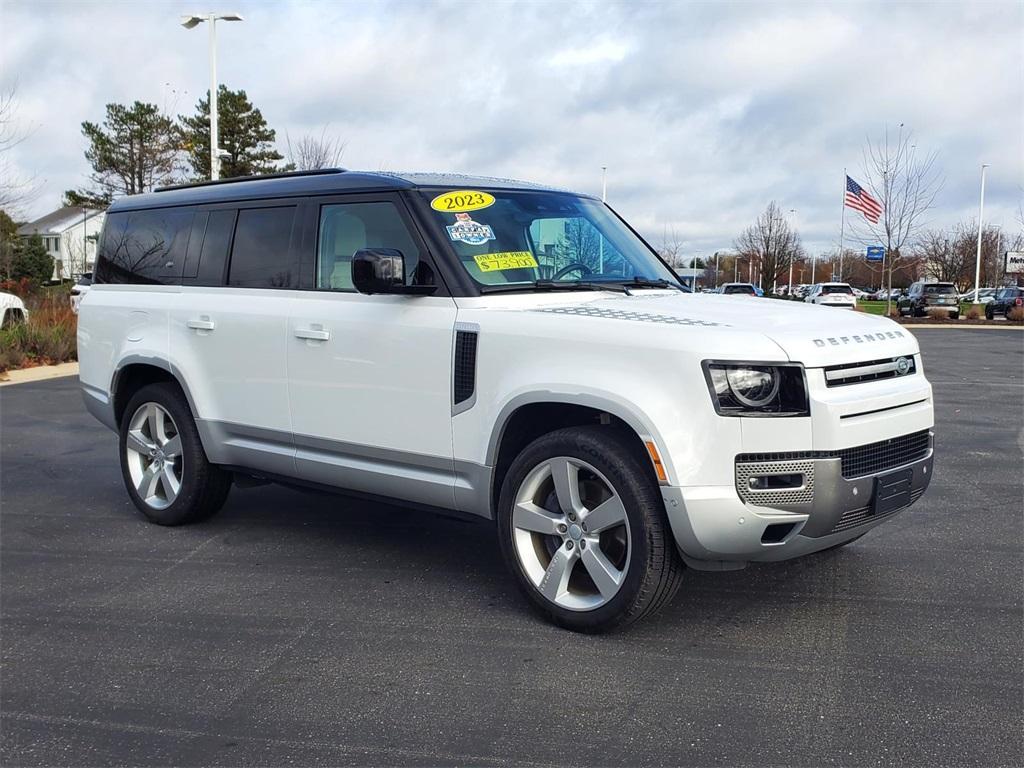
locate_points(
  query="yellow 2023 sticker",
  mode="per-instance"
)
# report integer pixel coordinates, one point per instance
(492, 262)
(462, 200)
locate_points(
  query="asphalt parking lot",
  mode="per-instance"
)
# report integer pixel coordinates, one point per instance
(307, 629)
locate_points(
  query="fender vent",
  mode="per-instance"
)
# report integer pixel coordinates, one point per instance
(464, 375)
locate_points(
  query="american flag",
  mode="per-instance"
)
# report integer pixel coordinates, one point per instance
(860, 200)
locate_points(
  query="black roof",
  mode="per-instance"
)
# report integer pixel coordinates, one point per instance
(299, 184)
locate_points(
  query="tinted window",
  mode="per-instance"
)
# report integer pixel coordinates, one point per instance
(349, 227)
(837, 289)
(208, 247)
(144, 246)
(748, 290)
(260, 254)
(940, 289)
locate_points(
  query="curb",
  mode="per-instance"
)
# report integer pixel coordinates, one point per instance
(944, 326)
(39, 373)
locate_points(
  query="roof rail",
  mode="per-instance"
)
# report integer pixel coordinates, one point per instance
(236, 179)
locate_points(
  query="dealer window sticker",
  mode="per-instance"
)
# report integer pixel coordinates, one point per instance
(462, 200)
(494, 262)
(465, 230)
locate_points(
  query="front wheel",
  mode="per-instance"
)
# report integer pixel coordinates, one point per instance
(163, 464)
(989, 313)
(582, 527)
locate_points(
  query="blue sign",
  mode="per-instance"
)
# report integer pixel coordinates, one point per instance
(876, 253)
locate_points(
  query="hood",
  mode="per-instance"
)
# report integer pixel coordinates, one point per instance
(809, 334)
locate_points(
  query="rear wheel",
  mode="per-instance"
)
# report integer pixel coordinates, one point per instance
(163, 464)
(582, 527)
(989, 313)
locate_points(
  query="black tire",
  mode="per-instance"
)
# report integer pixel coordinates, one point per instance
(654, 569)
(204, 486)
(989, 314)
(954, 315)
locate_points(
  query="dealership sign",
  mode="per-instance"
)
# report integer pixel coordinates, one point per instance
(876, 253)
(1015, 262)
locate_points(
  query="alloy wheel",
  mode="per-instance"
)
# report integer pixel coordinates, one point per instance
(570, 533)
(154, 454)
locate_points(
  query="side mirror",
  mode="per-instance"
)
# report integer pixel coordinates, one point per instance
(382, 270)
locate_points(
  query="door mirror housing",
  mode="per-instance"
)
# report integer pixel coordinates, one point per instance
(382, 270)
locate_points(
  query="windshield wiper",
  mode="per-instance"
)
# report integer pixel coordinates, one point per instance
(646, 282)
(550, 285)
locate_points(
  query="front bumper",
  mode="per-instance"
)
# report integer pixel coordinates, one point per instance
(714, 527)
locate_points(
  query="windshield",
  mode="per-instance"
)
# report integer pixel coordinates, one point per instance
(940, 290)
(746, 289)
(515, 238)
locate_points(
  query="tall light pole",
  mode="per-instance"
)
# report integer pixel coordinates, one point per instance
(981, 214)
(789, 287)
(188, 22)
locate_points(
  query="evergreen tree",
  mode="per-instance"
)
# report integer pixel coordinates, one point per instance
(136, 149)
(244, 135)
(32, 261)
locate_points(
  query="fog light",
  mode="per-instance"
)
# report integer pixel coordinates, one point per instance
(776, 482)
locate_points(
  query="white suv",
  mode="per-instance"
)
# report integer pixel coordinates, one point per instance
(507, 350)
(832, 295)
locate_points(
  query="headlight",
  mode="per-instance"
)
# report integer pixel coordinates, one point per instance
(752, 389)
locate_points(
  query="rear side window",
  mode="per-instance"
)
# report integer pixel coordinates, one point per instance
(146, 247)
(260, 254)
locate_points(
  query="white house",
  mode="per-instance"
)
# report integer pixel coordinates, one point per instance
(70, 236)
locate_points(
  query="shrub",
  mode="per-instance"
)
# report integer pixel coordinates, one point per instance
(973, 313)
(49, 336)
(1016, 315)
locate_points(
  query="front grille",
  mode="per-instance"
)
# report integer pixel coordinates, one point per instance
(887, 454)
(869, 370)
(862, 516)
(861, 460)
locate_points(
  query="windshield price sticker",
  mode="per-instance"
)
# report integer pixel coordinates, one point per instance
(462, 200)
(492, 262)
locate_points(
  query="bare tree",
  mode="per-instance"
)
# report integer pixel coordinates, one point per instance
(671, 248)
(770, 245)
(906, 183)
(311, 153)
(16, 190)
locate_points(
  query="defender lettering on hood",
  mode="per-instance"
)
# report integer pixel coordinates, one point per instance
(861, 339)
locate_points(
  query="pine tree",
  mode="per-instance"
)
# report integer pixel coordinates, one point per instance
(244, 135)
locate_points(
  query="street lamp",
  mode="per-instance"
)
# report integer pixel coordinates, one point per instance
(981, 215)
(789, 288)
(188, 22)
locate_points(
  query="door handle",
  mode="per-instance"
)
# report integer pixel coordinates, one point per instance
(315, 334)
(203, 324)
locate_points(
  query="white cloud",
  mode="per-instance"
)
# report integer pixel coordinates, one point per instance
(702, 112)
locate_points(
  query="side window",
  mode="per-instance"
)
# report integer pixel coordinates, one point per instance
(349, 227)
(144, 246)
(208, 247)
(260, 254)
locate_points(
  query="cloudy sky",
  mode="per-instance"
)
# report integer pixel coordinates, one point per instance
(702, 112)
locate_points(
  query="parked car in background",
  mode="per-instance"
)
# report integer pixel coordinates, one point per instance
(12, 310)
(738, 289)
(832, 295)
(1004, 302)
(985, 295)
(930, 299)
(79, 290)
(859, 293)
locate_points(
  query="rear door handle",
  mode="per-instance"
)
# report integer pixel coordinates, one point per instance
(315, 334)
(203, 324)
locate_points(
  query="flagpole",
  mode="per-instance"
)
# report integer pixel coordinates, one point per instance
(842, 228)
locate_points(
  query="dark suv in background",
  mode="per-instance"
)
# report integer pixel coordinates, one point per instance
(1005, 301)
(926, 298)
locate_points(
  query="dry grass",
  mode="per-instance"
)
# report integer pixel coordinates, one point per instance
(1016, 315)
(973, 314)
(48, 338)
